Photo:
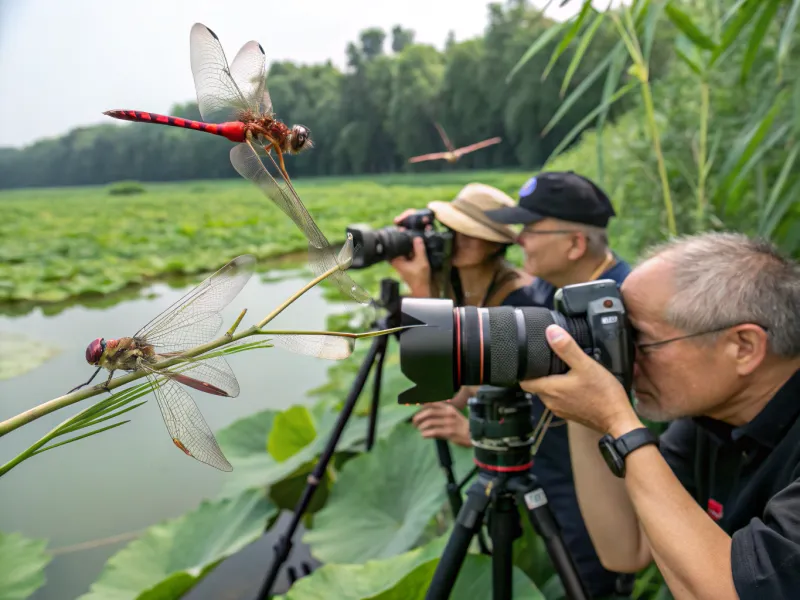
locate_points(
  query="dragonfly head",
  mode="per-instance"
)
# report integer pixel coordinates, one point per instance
(95, 350)
(301, 139)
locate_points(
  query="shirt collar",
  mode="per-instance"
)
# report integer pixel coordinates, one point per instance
(768, 426)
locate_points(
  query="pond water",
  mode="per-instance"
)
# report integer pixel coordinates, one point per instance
(127, 479)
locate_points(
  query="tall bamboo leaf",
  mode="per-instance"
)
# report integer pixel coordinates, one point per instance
(685, 24)
(650, 28)
(618, 59)
(745, 146)
(579, 92)
(535, 48)
(766, 224)
(779, 211)
(756, 39)
(580, 51)
(687, 52)
(739, 19)
(755, 160)
(567, 39)
(787, 34)
(588, 118)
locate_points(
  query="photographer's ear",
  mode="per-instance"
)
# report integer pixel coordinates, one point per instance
(747, 345)
(577, 247)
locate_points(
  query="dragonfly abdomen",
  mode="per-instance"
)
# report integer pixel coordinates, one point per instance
(235, 131)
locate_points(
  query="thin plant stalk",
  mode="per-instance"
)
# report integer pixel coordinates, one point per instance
(63, 401)
(702, 169)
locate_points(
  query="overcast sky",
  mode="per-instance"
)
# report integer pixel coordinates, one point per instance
(64, 62)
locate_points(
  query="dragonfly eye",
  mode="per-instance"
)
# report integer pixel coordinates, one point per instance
(300, 137)
(95, 350)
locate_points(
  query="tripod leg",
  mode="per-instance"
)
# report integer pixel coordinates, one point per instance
(504, 528)
(467, 524)
(285, 545)
(532, 497)
(376, 391)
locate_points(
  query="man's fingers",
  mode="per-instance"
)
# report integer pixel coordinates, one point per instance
(565, 347)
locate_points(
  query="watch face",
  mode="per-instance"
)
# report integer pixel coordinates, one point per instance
(613, 460)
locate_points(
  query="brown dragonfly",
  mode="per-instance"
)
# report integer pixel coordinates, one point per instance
(453, 154)
(191, 321)
(235, 103)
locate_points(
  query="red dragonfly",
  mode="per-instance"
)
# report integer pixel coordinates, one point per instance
(453, 154)
(233, 99)
(236, 104)
(192, 320)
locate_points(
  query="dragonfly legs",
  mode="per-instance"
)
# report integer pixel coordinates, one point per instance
(88, 382)
(105, 385)
(280, 160)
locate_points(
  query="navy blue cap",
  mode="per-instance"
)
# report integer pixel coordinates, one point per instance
(563, 195)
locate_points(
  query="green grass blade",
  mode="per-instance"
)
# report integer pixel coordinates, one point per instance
(778, 212)
(108, 417)
(756, 159)
(775, 194)
(588, 118)
(787, 33)
(757, 38)
(651, 25)
(567, 39)
(687, 26)
(580, 91)
(535, 48)
(738, 20)
(583, 45)
(618, 59)
(80, 437)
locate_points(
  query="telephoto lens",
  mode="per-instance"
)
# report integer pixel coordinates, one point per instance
(503, 345)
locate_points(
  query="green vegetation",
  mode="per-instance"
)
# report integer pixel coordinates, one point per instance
(708, 140)
(370, 118)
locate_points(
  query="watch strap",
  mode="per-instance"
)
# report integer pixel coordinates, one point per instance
(636, 438)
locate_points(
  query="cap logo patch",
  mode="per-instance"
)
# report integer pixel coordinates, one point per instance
(528, 187)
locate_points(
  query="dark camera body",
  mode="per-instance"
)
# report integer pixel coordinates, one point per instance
(376, 245)
(504, 345)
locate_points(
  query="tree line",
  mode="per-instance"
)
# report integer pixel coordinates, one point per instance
(369, 118)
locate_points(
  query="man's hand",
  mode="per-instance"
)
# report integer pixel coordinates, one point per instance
(442, 420)
(587, 394)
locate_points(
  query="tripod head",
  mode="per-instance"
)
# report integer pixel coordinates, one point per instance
(501, 429)
(389, 300)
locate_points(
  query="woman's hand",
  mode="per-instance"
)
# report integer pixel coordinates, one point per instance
(444, 421)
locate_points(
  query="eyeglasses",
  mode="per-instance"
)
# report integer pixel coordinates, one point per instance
(649, 346)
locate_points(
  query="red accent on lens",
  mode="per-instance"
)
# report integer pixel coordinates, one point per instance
(458, 348)
(480, 337)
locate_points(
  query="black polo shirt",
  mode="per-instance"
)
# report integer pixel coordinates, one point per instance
(748, 480)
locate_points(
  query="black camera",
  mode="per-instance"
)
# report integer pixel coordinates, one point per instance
(375, 245)
(501, 346)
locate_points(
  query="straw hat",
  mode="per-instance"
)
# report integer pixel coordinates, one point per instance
(466, 213)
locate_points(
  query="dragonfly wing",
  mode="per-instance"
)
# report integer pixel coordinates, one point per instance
(447, 143)
(478, 146)
(185, 423)
(195, 318)
(332, 347)
(220, 97)
(423, 157)
(321, 254)
(249, 73)
(211, 375)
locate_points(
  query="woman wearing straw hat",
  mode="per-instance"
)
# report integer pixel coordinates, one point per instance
(480, 276)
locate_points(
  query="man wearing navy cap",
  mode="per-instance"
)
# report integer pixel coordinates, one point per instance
(565, 242)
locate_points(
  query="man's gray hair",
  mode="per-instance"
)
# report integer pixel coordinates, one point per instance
(725, 279)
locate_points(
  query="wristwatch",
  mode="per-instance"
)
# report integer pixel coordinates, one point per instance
(614, 451)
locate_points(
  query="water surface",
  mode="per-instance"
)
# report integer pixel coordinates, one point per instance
(132, 477)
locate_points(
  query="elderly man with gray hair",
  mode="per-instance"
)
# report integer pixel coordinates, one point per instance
(715, 501)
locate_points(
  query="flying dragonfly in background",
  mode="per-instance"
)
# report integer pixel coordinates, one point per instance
(453, 154)
(191, 321)
(234, 103)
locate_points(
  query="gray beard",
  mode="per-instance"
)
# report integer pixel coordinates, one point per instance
(653, 412)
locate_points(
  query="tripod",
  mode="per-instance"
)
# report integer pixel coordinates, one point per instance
(500, 427)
